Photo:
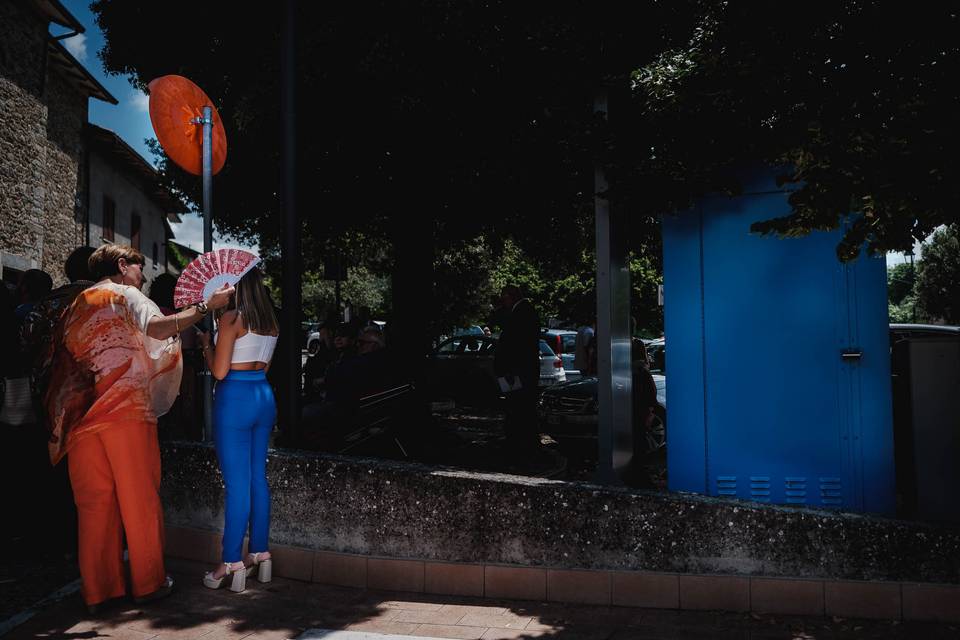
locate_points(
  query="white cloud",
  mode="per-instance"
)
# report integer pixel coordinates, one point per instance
(77, 46)
(139, 100)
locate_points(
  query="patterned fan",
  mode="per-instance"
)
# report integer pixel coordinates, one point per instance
(209, 272)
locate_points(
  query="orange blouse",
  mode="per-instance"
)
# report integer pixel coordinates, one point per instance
(106, 371)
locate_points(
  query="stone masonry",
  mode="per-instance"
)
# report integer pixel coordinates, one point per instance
(41, 118)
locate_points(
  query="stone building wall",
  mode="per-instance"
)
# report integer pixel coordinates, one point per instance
(64, 208)
(23, 135)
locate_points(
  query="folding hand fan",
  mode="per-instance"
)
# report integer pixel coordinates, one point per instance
(209, 272)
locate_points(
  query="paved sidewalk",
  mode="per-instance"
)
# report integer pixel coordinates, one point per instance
(287, 609)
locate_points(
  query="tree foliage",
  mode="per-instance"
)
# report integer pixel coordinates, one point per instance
(938, 276)
(852, 100)
(463, 286)
(900, 282)
(477, 115)
(901, 293)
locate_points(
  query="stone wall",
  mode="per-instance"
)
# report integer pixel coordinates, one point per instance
(41, 119)
(397, 510)
(64, 206)
(23, 130)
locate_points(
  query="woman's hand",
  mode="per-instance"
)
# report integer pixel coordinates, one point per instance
(221, 297)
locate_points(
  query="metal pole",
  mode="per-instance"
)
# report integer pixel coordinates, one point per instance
(207, 246)
(913, 280)
(290, 252)
(613, 331)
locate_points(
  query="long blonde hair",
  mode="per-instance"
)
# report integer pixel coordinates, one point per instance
(253, 303)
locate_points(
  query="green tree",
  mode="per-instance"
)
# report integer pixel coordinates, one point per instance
(571, 296)
(938, 276)
(852, 101)
(514, 266)
(463, 284)
(901, 293)
(363, 289)
(900, 281)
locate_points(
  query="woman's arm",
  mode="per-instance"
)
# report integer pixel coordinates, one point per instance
(218, 357)
(163, 327)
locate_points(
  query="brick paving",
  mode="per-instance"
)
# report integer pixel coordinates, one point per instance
(287, 608)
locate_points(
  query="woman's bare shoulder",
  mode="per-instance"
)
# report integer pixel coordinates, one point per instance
(229, 320)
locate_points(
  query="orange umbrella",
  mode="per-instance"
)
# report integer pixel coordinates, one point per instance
(174, 102)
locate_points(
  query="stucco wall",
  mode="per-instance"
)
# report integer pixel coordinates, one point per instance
(107, 180)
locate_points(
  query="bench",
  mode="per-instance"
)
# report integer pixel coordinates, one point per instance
(344, 429)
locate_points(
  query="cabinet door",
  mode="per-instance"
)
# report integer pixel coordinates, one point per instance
(779, 363)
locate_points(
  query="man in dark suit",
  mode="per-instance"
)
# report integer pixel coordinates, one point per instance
(517, 366)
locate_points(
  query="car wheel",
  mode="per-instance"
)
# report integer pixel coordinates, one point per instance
(313, 347)
(655, 436)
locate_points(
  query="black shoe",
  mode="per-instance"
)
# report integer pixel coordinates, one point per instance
(162, 592)
(96, 608)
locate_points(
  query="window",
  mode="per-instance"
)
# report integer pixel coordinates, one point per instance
(451, 346)
(109, 218)
(545, 349)
(135, 231)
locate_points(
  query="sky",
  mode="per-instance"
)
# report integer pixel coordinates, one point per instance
(130, 119)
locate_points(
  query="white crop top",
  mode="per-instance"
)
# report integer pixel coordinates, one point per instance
(253, 347)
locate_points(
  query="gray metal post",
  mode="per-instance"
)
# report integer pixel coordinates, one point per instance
(208, 246)
(613, 331)
(291, 293)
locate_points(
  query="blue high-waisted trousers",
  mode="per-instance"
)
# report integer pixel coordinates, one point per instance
(244, 412)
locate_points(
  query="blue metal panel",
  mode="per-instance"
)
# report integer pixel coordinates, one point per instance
(768, 409)
(872, 428)
(686, 450)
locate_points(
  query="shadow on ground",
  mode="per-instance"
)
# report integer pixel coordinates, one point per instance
(287, 608)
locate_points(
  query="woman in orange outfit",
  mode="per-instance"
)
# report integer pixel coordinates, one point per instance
(116, 368)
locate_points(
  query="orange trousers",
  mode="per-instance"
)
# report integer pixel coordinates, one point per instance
(116, 482)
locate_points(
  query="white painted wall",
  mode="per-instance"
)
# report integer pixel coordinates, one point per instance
(114, 183)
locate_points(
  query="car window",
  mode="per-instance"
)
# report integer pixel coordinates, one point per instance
(450, 346)
(545, 349)
(569, 343)
(487, 347)
(471, 345)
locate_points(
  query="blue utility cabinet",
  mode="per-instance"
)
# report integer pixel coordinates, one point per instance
(778, 361)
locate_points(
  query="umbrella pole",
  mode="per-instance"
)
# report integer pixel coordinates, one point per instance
(208, 246)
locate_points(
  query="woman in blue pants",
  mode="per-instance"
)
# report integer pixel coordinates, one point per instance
(244, 412)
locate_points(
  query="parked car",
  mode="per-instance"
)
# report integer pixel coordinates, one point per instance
(313, 341)
(571, 410)
(468, 331)
(657, 354)
(308, 329)
(563, 342)
(461, 367)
